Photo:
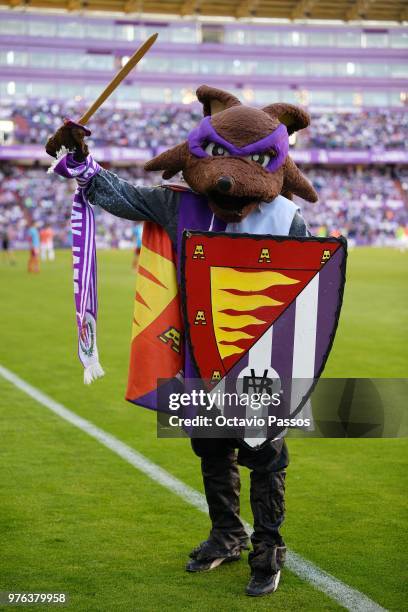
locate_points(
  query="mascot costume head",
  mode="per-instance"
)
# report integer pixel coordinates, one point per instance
(238, 155)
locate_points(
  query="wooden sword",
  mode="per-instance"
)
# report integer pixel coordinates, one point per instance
(115, 82)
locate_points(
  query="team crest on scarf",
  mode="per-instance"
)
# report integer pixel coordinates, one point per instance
(261, 308)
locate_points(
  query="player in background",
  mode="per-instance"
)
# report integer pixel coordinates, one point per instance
(47, 243)
(34, 257)
(7, 253)
(401, 237)
(137, 232)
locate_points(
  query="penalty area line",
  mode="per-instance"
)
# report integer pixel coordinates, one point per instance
(351, 599)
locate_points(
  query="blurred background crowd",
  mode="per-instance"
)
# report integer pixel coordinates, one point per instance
(150, 127)
(366, 204)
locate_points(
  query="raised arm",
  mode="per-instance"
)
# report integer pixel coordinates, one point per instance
(113, 194)
(122, 199)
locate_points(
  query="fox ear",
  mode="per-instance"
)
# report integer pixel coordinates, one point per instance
(297, 184)
(294, 117)
(215, 100)
(171, 161)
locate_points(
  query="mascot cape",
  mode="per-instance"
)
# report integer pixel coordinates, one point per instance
(159, 353)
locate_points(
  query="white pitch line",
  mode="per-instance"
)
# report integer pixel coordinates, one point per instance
(349, 598)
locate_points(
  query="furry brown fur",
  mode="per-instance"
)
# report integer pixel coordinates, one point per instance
(249, 183)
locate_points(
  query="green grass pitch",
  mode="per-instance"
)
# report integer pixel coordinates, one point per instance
(74, 517)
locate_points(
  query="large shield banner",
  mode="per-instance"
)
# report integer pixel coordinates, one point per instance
(261, 308)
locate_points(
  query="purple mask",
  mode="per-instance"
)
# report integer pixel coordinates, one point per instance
(278, 140)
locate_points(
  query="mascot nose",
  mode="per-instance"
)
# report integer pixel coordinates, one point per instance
(224, 183)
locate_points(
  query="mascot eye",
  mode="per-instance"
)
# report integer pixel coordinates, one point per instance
(261, 158)
(215, 150)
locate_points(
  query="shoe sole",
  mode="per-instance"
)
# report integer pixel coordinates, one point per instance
(216, 563)
(267, 592)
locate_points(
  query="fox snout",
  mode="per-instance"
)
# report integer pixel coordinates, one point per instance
(233, 185)
(225, 184)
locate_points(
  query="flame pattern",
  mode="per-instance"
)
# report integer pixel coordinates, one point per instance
(154, 291)
(236, 295)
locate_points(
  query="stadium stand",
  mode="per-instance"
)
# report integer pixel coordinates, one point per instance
(368, 206)
(353, 78)
(159, 126)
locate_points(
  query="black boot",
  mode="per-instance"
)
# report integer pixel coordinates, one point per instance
(266, 566)
(228, 536)
(268, 555)
(208, 556)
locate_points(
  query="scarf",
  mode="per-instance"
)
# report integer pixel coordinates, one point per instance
(84, 260)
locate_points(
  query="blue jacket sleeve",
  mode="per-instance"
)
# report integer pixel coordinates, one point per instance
(122, 199)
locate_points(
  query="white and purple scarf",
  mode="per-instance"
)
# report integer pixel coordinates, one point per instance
(84, 260)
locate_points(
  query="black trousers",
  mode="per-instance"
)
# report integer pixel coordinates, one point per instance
(219, 465)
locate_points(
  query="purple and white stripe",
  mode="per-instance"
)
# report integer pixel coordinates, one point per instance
(84, 261)
(294, 349)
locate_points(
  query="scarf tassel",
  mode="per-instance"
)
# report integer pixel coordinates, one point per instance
(92, 372)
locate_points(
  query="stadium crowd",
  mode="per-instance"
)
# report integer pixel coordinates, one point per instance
(148, 128)
(151, 127)
(368, 129)
(369, 206)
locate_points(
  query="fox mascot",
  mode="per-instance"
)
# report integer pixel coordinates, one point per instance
(238, 178)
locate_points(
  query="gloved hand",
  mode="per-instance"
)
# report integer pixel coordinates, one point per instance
(69, 136)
